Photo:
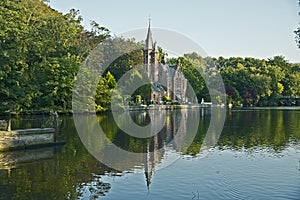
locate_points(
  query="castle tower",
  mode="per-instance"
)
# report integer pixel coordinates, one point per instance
(151, 56)
(148, 51)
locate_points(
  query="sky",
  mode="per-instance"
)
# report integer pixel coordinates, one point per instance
(237, 28)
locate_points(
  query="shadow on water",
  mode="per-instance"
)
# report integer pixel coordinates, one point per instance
(51, 173)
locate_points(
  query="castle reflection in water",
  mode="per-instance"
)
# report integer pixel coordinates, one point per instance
(169, 130)
(169, 137)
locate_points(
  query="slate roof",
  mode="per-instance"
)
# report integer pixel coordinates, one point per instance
(157, 87)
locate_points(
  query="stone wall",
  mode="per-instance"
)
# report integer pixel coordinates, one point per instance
(3, 125)
(20, 139)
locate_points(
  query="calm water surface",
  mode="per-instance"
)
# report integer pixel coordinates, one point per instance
(257, 156)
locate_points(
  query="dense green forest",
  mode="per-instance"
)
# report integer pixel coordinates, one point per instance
(41, 51)
(248, 81)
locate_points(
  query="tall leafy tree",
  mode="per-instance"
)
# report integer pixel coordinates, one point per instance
(40, 51)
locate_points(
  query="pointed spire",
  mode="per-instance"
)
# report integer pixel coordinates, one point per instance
(148, 165)
(149, 41)
(155, 47)
(148, 178)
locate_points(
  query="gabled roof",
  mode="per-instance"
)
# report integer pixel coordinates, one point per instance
(172, 70)
(157, 87)
(155, 46)
(174, 67)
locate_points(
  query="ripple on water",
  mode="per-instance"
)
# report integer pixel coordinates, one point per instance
(257, 175)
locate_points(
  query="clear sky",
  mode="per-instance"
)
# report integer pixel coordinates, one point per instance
(245, 28)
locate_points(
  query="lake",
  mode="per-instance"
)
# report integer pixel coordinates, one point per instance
(257, 156)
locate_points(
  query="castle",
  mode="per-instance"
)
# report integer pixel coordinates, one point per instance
(167, 81)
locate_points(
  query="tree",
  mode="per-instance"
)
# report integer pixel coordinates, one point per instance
(192, 65)
(104, 92)
(41, 51)
(125, 62)
(13, 31)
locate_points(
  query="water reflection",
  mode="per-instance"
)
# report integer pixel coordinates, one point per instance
(170, 133)
(14, 159)
(173, 129)
(49, 173)
(71, 172)
(274, 129)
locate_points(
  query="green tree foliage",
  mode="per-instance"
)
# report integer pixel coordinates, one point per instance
(192, 66)
(104, 92)
(248, 81)
(141, 93)
(113, 59)
(259, 82)
(130, 60)
(40, 52)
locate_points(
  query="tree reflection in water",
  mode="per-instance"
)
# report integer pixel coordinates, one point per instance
(71, 172)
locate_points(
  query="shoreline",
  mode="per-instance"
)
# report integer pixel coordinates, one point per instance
(6, 115)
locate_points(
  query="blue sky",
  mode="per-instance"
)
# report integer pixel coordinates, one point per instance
(256, 28)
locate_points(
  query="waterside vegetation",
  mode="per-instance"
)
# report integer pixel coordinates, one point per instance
(41, 51)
